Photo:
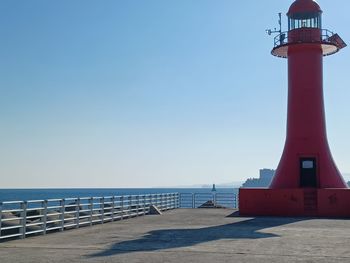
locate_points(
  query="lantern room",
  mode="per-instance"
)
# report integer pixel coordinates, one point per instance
(304, 14)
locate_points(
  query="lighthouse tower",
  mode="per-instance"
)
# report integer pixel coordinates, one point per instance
(306, 160)
(307, 181)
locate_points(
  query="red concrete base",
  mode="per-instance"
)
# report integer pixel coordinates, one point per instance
(294, 202)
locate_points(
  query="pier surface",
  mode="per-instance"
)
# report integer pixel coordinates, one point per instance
(191, 235)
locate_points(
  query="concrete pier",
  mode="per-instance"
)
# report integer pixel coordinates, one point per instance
(191, 235)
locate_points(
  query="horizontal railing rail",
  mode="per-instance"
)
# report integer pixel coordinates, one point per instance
(19, 219)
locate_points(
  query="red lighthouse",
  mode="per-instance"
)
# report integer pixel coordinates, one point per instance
(306, 159)
(307, 181)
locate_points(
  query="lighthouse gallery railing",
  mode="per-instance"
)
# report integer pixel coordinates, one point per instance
(305, 36)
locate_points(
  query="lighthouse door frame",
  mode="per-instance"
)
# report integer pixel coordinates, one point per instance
(308, 172)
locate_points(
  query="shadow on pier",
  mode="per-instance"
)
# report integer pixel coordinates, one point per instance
(177, 238)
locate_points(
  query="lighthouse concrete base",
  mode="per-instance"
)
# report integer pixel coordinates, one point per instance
(294, 202)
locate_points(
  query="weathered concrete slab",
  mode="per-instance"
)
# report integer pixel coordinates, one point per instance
(198, 235)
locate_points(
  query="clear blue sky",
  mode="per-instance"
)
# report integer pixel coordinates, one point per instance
(151, 93)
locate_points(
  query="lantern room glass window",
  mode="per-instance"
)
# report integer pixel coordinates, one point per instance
(306, 20)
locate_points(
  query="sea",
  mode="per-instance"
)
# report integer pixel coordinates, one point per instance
(43, 194)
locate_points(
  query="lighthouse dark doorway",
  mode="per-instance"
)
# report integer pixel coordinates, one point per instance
(308, 175)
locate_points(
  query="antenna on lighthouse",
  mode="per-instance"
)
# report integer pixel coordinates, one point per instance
(270, 31)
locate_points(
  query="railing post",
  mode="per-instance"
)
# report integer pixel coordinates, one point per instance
(173, 201)
(137, 205)
(44, 218)
(62, 211)
(77, 212)
(177, 200)
(112, 208)
(122, 207)
(0, 216)
(180, 199)
(91, 206)
(168, 201)
(102, 203)
(193, 200)
(148, 202)
(23, 220)
(162, 200)
(236, 201)
(159, 197)
(144, 204)
(129, 205)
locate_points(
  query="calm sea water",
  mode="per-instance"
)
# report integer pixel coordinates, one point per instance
(42, 194)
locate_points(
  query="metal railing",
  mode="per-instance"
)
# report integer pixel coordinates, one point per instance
(195, 200)
(19, 219)
(24, 218)
(306, 35)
